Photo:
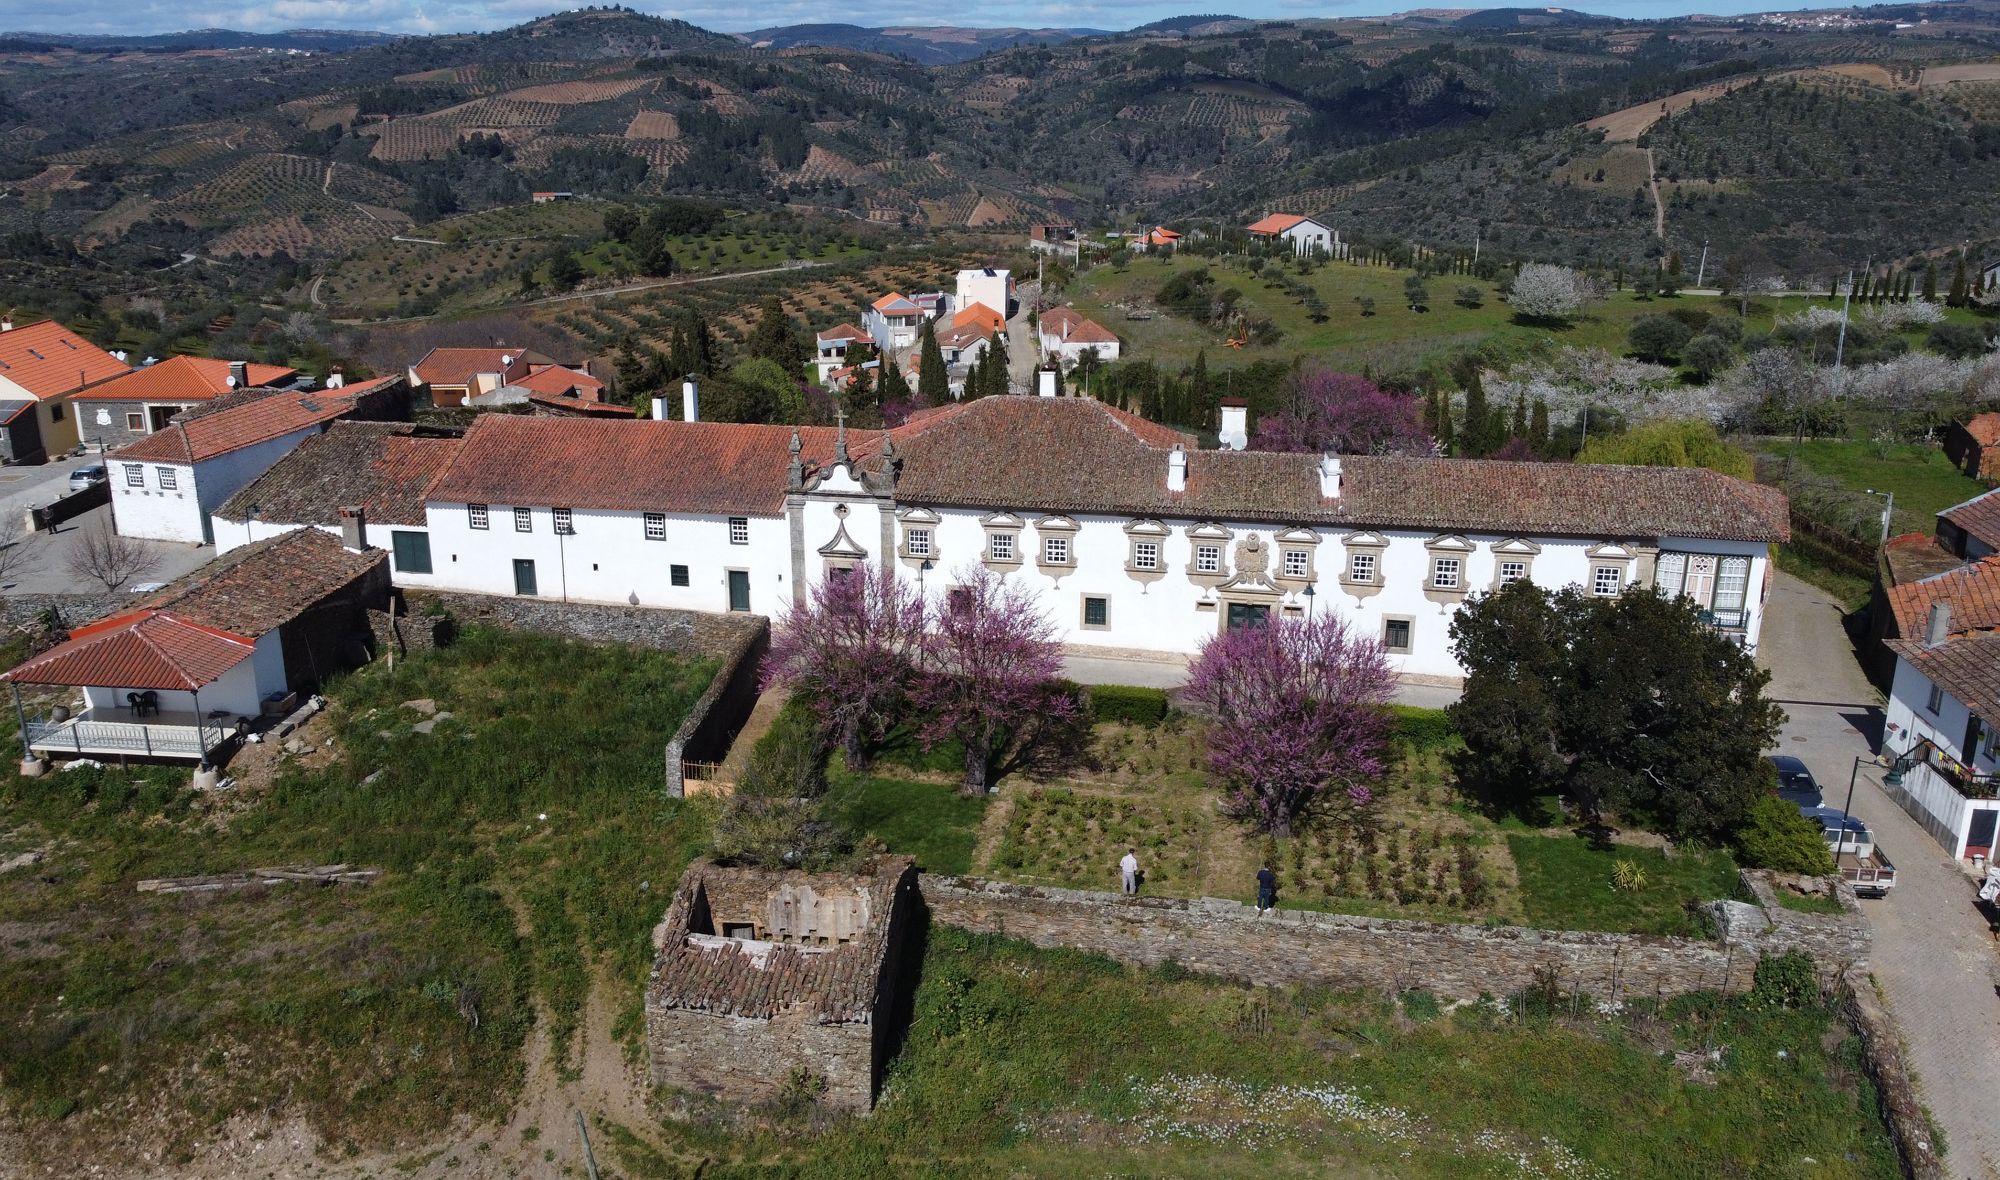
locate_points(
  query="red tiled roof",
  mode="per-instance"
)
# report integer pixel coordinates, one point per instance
(1971, 590)
(847, 332)
(1978, 517)
(1967, 667)
(384, 467)
(894, 301)
(1276, 223)
(1079, 455)
(720, 468)
(558, 381)
(1070, 326)
(145, 649)
(581, 406)
(1162, 236)
(1985, 428)
(241, 420)
(458, 366)
(196, 629)
(182, 379)
(48, 360)
(979, 315)
(963, 335)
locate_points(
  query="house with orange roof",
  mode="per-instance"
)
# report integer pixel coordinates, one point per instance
(893, 321)
(1942, 721)
(1066, 334)
(1299, 234)
(978, 315)
(833, 345)
(43, 366)
(128, 408)
(446, 377)
(1157, 238)
(165, 485)
(1973, 446)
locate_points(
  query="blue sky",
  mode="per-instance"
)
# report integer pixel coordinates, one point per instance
(445, 16)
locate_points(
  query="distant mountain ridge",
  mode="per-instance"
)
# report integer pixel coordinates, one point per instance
(930, 45)
(316, 40)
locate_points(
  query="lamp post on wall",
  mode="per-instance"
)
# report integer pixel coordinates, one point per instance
(1310, 595)
(1888, 510)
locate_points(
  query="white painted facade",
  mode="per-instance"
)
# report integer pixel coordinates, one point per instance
(234, 534)
(241, 690)
(1921, 713)
(988, 285)
(171, 501)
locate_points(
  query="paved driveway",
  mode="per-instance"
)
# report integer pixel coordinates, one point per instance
(1933, 956)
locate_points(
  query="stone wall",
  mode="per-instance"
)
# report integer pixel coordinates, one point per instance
(745, 1059)
(684, 632)
(707, 731)
(1230, 939)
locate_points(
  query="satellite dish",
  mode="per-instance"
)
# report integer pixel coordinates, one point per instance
(230, 380)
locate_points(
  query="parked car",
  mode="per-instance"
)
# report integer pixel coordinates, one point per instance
(1796, 784)
(1859, 862)
(83, 477)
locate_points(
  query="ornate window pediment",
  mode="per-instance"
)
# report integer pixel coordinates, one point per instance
(1517, 546)
(1001, 520)
(1365, 539)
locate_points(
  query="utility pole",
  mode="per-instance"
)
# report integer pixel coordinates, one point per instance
(1702, 268)
(1840, 345)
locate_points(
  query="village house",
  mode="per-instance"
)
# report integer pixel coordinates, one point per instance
(1971, 530)
(127, 408)
(189, 668)
(1057, 238)
(1065, 334)
(1942, 723)
(1137, 544)
(164, 486)
(43, 366)
(369, 477)
(985, 285)
(1302, 235)
(834, 344)
(760, 975)
(1157, 238)
(555, 391)
(894, 321)
(1973, 446)
(446, 377)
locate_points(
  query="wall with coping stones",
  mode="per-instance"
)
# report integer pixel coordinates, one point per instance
(685, 632)
(718, 716)
(1230, 939)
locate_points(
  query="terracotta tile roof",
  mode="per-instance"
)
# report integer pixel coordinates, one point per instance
(142, 650)
(963, 336)
(847, 332)
(581, 407)
(894, 304)
(1985, 428)
(198, 628)
(244, 419)
(1069, 326)
(718, 468)
(1162, 236)
(1978, 517)
(382, 466)
(48, 360)
(458, 366)
(1971, 590)
(1967, 667)
(1079, 455)
(182, 379)
(1276, 223)
(1910, 556)
(559, 381)
(981, 316)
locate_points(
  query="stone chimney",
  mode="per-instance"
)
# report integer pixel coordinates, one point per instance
(239, 374)
(1235, 432)
(1045, 381)
(1937, 626)
(690, 401)
(354, 528)
(1177, 469)
(1329, 476)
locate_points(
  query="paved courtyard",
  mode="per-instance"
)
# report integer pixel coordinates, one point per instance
(1934, 956)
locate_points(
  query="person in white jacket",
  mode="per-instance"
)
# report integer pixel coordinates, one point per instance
(1128, 870)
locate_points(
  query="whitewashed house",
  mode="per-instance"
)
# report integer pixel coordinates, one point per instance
(1137, 543)
(988, 285)
(1064, 334)
(833, 346)
(1942, 727)
(1302, 235)
(894, 321)
(164, 486)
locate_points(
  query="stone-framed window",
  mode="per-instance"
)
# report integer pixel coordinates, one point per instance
(1095, 614)
(1146, 550)
(918, 540)
(476, 516)
(1399, 634)
(1003, 540)
(739, 530)
(656, 526)
(524, 520)
(1361, 572)
(1297, 558)
(135, 475)
(1610, 569)
(565, 521)
(1208, 554)
(169, 478)
(135, 422)
(1514, 560)
(1447, 567)
(1055, 555)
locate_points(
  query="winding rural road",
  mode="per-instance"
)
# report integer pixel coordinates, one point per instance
(576, 296)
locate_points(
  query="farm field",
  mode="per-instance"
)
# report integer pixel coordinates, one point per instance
(1924, 481)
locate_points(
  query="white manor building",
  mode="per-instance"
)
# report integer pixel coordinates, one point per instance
(1138, 543)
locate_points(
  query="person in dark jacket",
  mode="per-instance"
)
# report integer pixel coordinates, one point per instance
(1267, 890)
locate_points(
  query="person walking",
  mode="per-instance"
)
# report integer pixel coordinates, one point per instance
(1267, 890)
(1128, 870)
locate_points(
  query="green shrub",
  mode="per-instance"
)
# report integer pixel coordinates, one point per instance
(1775, 835)
(1133, 706)
(1422, 729)
(1784, 981)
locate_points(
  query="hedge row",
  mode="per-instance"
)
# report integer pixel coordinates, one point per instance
(1133, 706)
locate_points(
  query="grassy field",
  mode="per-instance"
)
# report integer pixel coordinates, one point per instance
(1924, 482)
(1054, 1064)
(525, 846)
(930, 821)
(1567, 884)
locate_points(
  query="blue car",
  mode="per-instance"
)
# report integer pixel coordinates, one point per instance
(1796, 784)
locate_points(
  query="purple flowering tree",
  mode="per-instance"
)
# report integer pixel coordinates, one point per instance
(1298, 717)
(1348, 415)
(850, 652)
(991, 665)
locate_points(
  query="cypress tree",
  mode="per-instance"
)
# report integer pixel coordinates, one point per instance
(1443, 431)
(894, 386)
(1960, 292)
(1930, 281)
(933, 383)
(1059, 381)
(700, 357)
(1200, 396)
(1538, 428)
(775, 337)
(1519, 427)
(1431, 412)
(996, 365)
(1475, 441)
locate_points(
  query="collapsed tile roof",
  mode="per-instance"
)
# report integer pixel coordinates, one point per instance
(1971, 590)
(245, 419)
(1978, 517)
(458, 366)
(383, 467)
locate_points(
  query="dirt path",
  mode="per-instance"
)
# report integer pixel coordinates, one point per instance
(606, 293)
(763, 715)
(1659, 206)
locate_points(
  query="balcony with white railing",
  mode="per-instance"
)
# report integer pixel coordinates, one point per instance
(117, 731)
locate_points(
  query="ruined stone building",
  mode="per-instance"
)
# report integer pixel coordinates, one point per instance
(761, 973)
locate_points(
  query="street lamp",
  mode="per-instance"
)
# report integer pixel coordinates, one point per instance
(1888, 509)
(1310, 595)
